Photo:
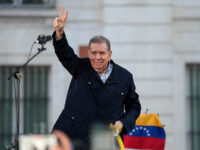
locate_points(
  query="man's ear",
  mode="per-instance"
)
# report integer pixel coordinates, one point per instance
(88, 53)
(110, 54)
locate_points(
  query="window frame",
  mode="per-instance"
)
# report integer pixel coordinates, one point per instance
(41, 72)
(17, 4)
(193, 72)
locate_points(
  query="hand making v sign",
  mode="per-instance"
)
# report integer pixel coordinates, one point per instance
(59, 23)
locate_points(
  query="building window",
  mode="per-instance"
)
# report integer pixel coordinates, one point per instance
(27, 3)
(33, 1)
(6, 107)
(5, 1)
(35, 99)
(194, 102)
(34, 103)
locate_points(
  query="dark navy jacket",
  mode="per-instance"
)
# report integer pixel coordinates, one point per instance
(89, 99)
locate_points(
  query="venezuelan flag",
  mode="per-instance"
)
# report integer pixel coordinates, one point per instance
(148, 134)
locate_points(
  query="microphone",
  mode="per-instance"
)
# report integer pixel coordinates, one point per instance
(42, 39)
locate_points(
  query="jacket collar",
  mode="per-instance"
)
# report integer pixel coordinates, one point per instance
(113, 78)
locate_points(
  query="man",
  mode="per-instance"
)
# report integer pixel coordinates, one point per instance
(100, 90)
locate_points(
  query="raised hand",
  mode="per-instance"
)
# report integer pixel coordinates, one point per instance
(59, 22)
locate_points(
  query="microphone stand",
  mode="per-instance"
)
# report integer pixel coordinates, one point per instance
(17, 75)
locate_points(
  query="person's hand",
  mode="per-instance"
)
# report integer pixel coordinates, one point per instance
(118, 124)
(65, 143)
(59, 23)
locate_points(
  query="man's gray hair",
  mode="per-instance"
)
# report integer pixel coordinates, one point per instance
(100, 39)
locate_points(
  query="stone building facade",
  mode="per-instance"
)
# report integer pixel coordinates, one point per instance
(154, 39)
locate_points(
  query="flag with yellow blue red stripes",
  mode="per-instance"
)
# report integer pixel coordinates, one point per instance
(148, 134)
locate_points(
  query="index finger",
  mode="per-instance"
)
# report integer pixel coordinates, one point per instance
(60, 11)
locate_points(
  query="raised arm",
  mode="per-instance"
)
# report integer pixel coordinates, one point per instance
(63, 51)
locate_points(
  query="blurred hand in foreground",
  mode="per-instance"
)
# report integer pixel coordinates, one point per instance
(64, 141)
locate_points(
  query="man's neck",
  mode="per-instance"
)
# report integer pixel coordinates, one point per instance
(106, 69)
